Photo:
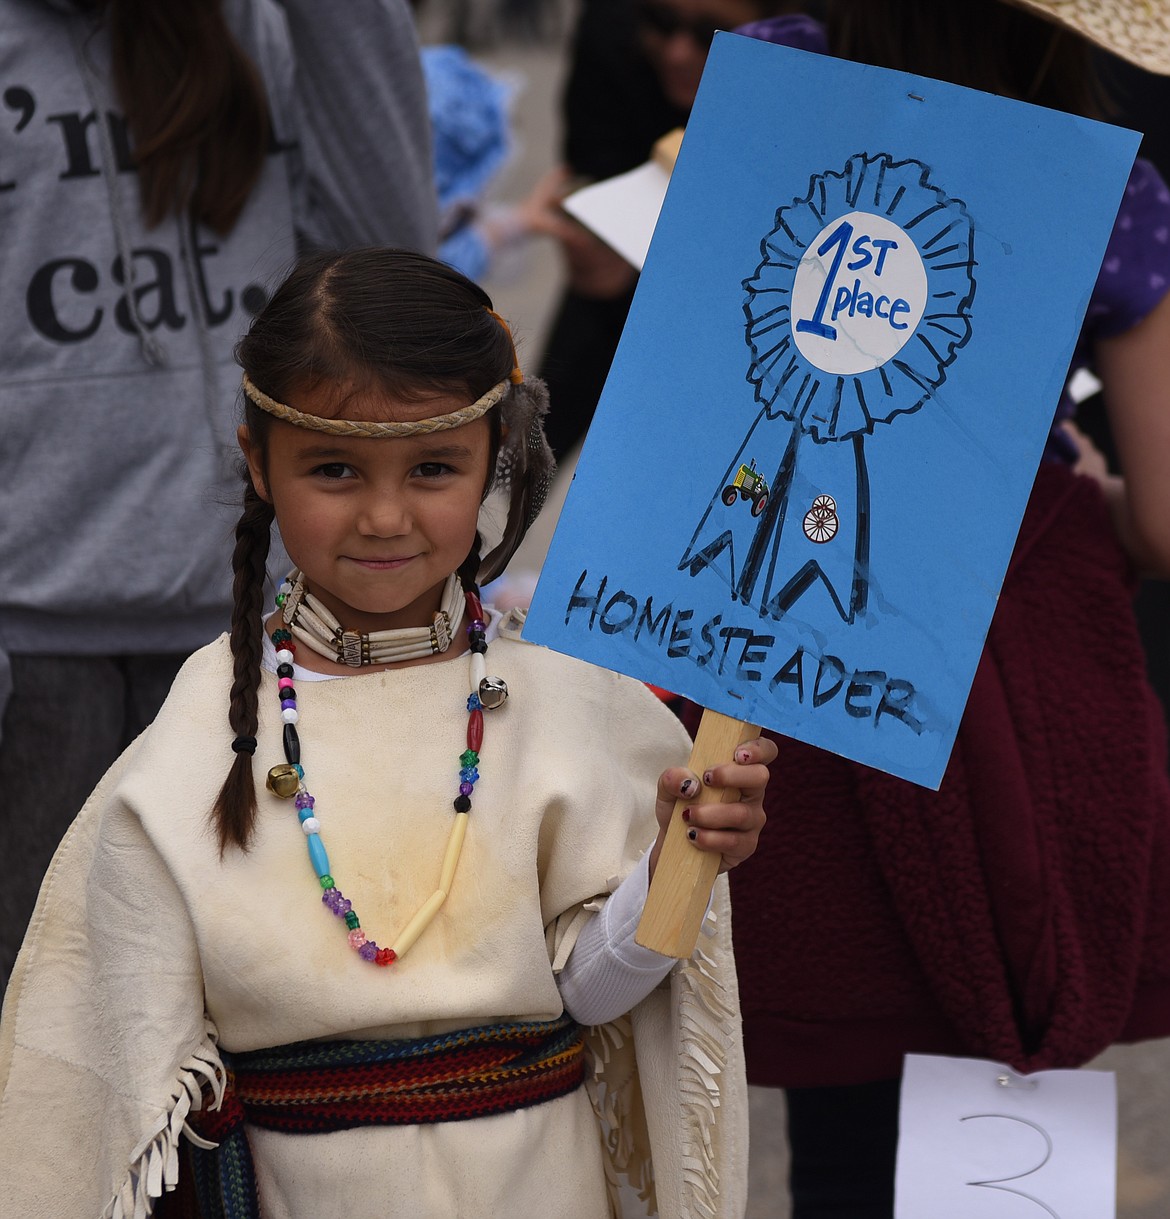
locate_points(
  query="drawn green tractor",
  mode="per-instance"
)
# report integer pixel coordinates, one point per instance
(748, 484)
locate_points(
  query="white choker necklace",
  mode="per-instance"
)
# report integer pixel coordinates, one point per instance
(314, 626)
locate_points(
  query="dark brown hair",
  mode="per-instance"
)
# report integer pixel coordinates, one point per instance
(384, 319)
(195, 107)
(983, 44)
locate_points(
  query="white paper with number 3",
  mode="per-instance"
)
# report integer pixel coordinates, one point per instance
(1044, 1147)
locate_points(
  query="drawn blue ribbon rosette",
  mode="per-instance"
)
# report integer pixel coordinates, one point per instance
(858, 307)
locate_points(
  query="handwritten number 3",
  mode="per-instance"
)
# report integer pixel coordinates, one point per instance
(997, 1182)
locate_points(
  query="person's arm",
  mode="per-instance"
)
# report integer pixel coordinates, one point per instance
(592, 269)
(363, 123)
(608, 972)
(1134, 368)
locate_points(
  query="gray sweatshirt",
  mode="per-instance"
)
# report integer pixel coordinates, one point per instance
(118, 391)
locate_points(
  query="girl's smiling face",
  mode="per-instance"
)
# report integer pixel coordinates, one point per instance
(375, 525)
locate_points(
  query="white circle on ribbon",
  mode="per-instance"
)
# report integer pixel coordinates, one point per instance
(875, 297)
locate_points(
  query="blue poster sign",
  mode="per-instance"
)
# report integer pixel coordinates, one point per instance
(808, 467)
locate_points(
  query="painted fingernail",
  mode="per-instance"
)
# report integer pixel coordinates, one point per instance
(688, 787)
(692, 834)
(707, 777)
(743, 756)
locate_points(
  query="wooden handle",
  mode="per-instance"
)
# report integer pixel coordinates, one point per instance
(682, 882)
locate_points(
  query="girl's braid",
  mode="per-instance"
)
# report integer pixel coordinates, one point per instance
(468, 570)
(235, 807)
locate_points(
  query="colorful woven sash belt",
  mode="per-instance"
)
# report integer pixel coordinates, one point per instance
(312, 1087)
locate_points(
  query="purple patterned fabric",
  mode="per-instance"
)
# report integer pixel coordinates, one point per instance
(795, 30)
(1135, 273)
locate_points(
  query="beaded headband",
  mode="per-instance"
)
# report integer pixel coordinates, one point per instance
(350, 427)
(421, 427)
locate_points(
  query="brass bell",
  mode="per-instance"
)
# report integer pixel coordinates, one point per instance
(283, 781)
(493, 691)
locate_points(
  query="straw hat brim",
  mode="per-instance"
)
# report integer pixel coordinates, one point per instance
(1136, 30)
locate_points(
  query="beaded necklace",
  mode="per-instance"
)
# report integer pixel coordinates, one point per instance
(288, 782)
(313, 625)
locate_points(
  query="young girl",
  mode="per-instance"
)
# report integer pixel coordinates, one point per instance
(369, 953)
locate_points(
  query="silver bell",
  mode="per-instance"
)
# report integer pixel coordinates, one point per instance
(493, 691)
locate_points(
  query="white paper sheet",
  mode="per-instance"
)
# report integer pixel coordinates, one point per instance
(623, 211)
(971, 1147)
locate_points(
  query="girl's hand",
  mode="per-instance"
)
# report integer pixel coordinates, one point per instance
(730, 830)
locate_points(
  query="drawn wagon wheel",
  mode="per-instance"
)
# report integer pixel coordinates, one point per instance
(820, 529)
(821, 521)
(729, 495)
(759, 503)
